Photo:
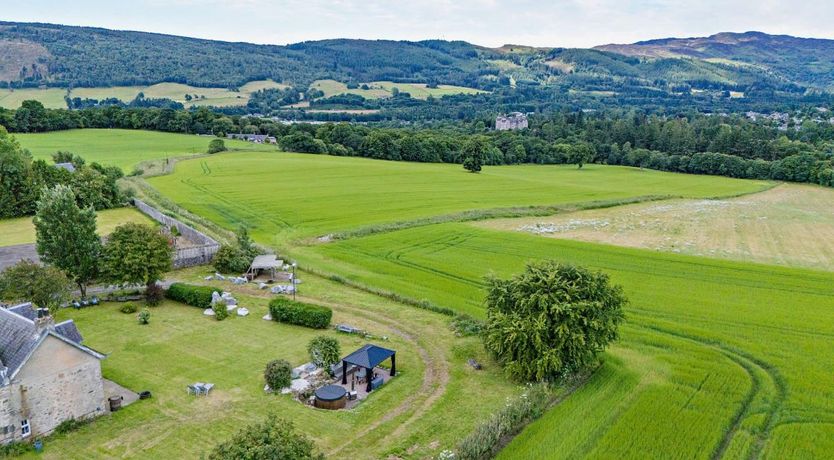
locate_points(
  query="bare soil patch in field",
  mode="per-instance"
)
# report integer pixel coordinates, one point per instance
(788, 225)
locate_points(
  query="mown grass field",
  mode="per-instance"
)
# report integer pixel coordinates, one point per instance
(426, 408)
(124, 148)
(792, 224)
(285, 196)
(53, 98)
(718, 358)
(22, 231)
(380, 89)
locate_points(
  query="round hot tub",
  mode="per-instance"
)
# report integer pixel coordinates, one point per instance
(331, 397)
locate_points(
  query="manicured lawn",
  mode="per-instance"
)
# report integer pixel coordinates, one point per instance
(21, 230)
(124, 148)
(717, 357)
(425, 409)
(286, 196)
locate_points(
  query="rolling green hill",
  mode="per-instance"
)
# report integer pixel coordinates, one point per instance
(805, 61)
(59, 56)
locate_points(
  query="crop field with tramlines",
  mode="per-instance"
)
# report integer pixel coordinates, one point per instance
(284, 196)
(718, 358)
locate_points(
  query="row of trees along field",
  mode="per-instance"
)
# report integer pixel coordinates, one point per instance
(690, 143)
(22, 180)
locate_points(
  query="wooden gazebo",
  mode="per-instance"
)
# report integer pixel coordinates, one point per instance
(264, 262)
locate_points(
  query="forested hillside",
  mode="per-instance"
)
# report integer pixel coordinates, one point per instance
(751, 71)
(805, 61)
(56, 55)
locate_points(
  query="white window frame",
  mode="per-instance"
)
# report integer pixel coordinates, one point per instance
(25, 428)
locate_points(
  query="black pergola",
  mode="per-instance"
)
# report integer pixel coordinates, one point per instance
(368, 357)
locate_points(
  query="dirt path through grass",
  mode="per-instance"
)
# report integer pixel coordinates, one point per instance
(434, 383)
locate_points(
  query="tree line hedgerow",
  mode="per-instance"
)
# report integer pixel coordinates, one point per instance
(730, 146)
(22, 180)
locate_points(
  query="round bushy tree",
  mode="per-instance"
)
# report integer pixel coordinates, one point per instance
(474, 154)
(551, 320)
(136, 254)
(324, 351)
(217, 145)
(278, 374)
(44, 285)
(273, 439)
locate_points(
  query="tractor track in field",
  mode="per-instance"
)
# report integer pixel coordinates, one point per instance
(435, 378)
(750, 364)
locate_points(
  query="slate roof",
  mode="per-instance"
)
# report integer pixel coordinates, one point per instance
(19, 337)
(369, 356)
(69, 330)
(25, 310)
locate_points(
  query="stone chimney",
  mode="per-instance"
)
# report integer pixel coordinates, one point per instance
(43, 320)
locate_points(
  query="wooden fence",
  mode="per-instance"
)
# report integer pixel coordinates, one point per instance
(200, 254)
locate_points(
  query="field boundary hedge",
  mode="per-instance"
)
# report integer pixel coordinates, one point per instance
(190, 294)
(492, 435)
(300, 313)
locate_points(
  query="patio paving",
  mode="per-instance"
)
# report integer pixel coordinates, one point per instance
(112, 388)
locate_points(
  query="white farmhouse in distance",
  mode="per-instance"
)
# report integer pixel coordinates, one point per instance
(515, 120)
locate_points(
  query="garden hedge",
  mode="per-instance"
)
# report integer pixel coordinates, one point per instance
(189, 294)
(301, 314)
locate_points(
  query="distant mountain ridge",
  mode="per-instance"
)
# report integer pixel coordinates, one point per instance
(752, 65)
(806, 61)
(58, 55)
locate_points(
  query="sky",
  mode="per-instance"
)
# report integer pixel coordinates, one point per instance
(566, 23)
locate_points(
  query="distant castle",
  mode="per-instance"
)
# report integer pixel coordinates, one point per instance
(515, 120)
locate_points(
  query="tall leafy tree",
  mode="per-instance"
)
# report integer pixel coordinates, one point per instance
(474, 153)
(66, 235)
(136, 254)
(15, 194)
(551, 320)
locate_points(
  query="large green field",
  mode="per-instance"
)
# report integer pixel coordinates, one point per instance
(124, 148)
(380, 89)
(286, 196)
(427, 407)
(735, 354)
(53, 98)
(717, 359)
(21, 230)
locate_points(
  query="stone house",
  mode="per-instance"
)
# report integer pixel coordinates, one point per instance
(515, 120)
(46, 376)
